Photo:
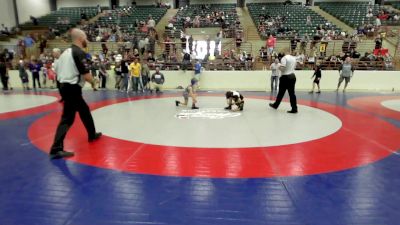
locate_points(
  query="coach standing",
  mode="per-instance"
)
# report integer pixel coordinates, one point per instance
(72, 71)
(287, 82)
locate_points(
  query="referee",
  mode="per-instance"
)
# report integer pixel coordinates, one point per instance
(72, 71)
(287, 82)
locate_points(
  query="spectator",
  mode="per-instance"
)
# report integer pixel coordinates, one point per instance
(29, 44)
(238, 41)
(271, 42)
(146, 76)
(118, 76)
(136, 69)
(275, 73)
(125, 73)
(35, 68)
(104, 49)
(378, 42)
(157, 81)
(151, 23)
(23, 75)
(346, 71)
(185, 61)
(3, 73)
(317, 79)
(103, 75)
(293, 43)
(34, 20)
(377, 22)
(308, 22)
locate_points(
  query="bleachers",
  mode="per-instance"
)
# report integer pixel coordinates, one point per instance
(130, 15)
(203, 11)
(352, 13)
(72, 13)
(295, 17)
(395, 5)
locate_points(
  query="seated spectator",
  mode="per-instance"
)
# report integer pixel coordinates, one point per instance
(365, 57)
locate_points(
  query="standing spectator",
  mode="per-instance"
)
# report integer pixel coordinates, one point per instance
(3, 73)
(136, 69)
(275, 73)
(35, 68)
(378, 22)
(146, 75)
(23, 74)
(238, 41)
(293, 43)
(185, 60)
(103, 75)
(378, 42)
(308, 22)
(151, 23)
(152, 44)
(190, 41)
(118, 76)
(317, 78)
(104, 49)
(125, 73)
(303, 44)
(29, 44)
(346, 71)
(287, 82)
(142, 46)
(271, 42)
(157, 81)
(43, 44)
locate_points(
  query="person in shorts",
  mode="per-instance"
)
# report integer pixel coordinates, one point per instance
(317, 78)
(346, 71)
(190, 91)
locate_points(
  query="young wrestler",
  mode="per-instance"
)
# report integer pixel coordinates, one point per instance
(190, 91)
(234, 98)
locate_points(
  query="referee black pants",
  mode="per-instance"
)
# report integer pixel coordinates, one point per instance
(287, 82)
(73, 102)
(4, 81)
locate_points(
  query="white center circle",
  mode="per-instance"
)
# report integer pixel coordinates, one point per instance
(392, 104)
(11, 103)
(154, 121)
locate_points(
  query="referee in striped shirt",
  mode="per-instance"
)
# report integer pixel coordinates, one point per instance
(73, 71)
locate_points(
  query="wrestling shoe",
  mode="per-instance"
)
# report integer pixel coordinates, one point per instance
(177, 103)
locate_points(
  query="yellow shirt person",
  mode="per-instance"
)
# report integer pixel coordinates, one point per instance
(135, 69)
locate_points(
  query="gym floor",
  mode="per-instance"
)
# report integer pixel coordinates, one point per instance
(336, 162)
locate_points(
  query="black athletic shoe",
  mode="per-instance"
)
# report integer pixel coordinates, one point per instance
(318, 92)
(194, 107)
(61, 154)
(228, 107)
(177, 103)
(96, 136)
(272, 106)
(292, 111)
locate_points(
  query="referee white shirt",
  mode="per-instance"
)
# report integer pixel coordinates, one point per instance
(71, 65)
(289, 65)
